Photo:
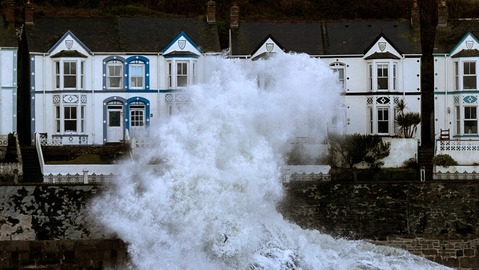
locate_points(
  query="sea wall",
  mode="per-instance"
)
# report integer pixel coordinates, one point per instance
(48, 225)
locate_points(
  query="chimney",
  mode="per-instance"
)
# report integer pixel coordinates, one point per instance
(415, 19)
(234, 16)
(211, 12)
(10, 11)
(442, 14)
(29, 13)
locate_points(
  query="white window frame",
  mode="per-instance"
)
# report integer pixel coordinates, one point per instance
(462, 75)
(61, 73)
(380, 114)
(63, 114)
(340, 70)
(470, 115)
(141, 65)
(374, 75)
(115, 64)
(469, 75)
(174, 73)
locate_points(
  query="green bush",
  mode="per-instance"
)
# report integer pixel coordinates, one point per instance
(355, 148)
(443, 160)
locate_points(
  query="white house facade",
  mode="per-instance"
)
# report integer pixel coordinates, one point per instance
(456, 96)
(8, 78)
(90, 87)
(377, 64)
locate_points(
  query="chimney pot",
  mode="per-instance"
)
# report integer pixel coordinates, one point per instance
(29, 13)
(415, 17)
(211, 12)
(442, 14)
(234, 16)
(10, 11)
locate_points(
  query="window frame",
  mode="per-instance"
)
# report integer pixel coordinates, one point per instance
(463, 75)
(470, 117)
(389, 74)
(60, 73)
(67, 115)
(115, 64)
(189, 70)
(339, 68)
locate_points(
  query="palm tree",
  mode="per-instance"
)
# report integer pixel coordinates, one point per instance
(408, 121)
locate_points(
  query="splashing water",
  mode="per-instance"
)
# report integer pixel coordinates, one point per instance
(208, 202)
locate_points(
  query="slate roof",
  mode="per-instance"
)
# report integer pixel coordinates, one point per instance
(116, 34)
(7, 34)
(326, 38)
(448, 37)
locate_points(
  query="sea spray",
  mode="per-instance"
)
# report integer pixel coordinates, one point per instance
(203, 195)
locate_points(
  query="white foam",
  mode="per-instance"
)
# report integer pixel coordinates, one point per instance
(210, 203)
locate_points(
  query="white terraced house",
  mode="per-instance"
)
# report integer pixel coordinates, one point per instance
(100, 80)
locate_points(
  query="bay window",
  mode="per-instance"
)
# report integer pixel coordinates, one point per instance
(69, 74)
(465, 74)
(382, 76)
(70, 119)
(181, 72)
(339, 69)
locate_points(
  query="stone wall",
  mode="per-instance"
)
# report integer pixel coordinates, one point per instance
(47, 212)
(436, 220)
(63, 254)
(459, 253)
(378, 210)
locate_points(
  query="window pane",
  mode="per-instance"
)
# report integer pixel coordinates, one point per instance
(382, 83)
(469, 82)
(114, 118)
(383, 120)
(69, 81)
(470, 120)
(71, 125)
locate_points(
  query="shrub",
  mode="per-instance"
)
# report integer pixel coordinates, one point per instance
(443, 160)
(355, 148)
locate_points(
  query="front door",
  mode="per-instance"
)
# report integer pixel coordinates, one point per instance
(137, 119)
(115, 121)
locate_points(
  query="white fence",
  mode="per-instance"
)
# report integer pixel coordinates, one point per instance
(74, 173)
(456, 173)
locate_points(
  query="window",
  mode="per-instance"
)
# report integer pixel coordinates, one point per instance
(469, 79)
(114, 74)
(382, 79)
(470, 120)
(456, 76)
(371, 120)
(69, 74)
(181, 74)
(383, 120)
(70, 119)
(137, 74)
(382, 76)
(338, 68)
(458, 120)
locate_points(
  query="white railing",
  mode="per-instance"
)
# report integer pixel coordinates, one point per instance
(449, 145)
(305, 173)
(76, 178)
(65, 139)
(73, 173)
(456, 173)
